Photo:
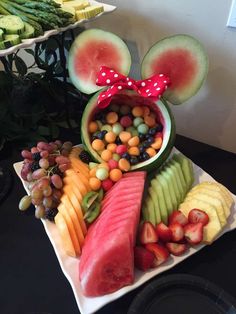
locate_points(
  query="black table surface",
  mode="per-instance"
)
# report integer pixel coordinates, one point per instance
(31, 280)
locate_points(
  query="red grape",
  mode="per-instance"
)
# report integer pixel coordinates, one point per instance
(37, 174)
(44, 163)
(44, 154)
(64, 167)
(62, 160)
(26, 154)
(57, 181)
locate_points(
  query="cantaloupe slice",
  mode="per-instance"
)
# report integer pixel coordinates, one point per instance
(84, 177)
(63, 230)
(77, 207)
(73, 187)
(63, 210)
(76, 222)
(77, 181)
(80, 165)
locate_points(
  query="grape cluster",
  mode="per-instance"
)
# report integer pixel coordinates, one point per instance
(43, 169)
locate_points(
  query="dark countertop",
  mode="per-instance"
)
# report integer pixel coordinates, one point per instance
(31, 281)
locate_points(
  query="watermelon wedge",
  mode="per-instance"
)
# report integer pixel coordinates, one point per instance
(107, 262)
(92, 49)
(183, 59)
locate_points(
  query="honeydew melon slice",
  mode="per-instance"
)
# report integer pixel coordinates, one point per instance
(92, 49)
(183, 59)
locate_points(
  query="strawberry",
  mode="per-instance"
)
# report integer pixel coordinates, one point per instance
(160, 252)
(197, 215)
(143, 259)
(177, 232)
(148, 233)
(176, 248)
(164, 233)
(194, 233)
(178, 216)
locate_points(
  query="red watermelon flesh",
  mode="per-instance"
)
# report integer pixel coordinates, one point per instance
(106, 263)
(124, 197)
(133, 184)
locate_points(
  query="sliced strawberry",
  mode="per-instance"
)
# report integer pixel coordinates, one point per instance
(177, 232)
(143, 259)
(178, 216)
(164, 233)
(160, 252)
(176, 248)
(194, 233)
(197, 215)
(148, 233)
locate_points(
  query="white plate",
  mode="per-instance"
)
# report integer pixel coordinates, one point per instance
(69, 265)
(28, 42)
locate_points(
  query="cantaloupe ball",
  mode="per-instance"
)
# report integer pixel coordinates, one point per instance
(110, 137)
(146, 111)
(92, 172)
(134, 141)
(124, 164)
(112, 117)
(134, 151)
(150, 121)
(115, 175)
(125, 136)
(106, 155)
(157, 144)
(104, 165)
(112, 147)
(151, 151)
(137, 111)
(93, 127)
(95, 183)
(98, 145)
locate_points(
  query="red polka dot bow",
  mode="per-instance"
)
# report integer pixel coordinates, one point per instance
(151, 87)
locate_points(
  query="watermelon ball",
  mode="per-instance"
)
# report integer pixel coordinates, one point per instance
(106, 155)
(121, 149)
(93, 127)
(116, 156)
(115, 175)
(137, 121)
(125, 136)
(110, 137)
(102, 174)
(143, 128)
(106, 127)
(107, 184)
(112, 163)
(112, 117)
(117, 128)
(98, 145)
(126, 121)
(137, 111)
(94, 184)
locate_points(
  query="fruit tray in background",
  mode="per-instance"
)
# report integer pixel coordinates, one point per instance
(28, 42)
(69, 265)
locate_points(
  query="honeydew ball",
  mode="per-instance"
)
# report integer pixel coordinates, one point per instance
(117, 128)
(102, 173)
(137, 121)
(143, 128)
(132, 130)
(116, 156)
(135, 132)
(106, 127)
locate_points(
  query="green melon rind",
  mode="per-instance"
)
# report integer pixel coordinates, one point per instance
(149, 165)
(82, 39)
(172, 42)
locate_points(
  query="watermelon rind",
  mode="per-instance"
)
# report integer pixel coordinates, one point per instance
(188, 43)
(97, 35)
(152, 163)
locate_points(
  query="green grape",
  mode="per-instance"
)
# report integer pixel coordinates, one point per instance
(44, 163)
(25, 202)
(36, 201)
(47, 191)
(48, 202)
(40, 211)
(36, 193)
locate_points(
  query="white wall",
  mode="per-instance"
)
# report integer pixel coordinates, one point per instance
(210, 116)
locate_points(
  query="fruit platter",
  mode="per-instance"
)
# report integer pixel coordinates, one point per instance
(125, 205)
(24, 23)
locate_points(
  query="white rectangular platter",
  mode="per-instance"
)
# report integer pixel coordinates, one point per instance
(69, 265)
(29, 42)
